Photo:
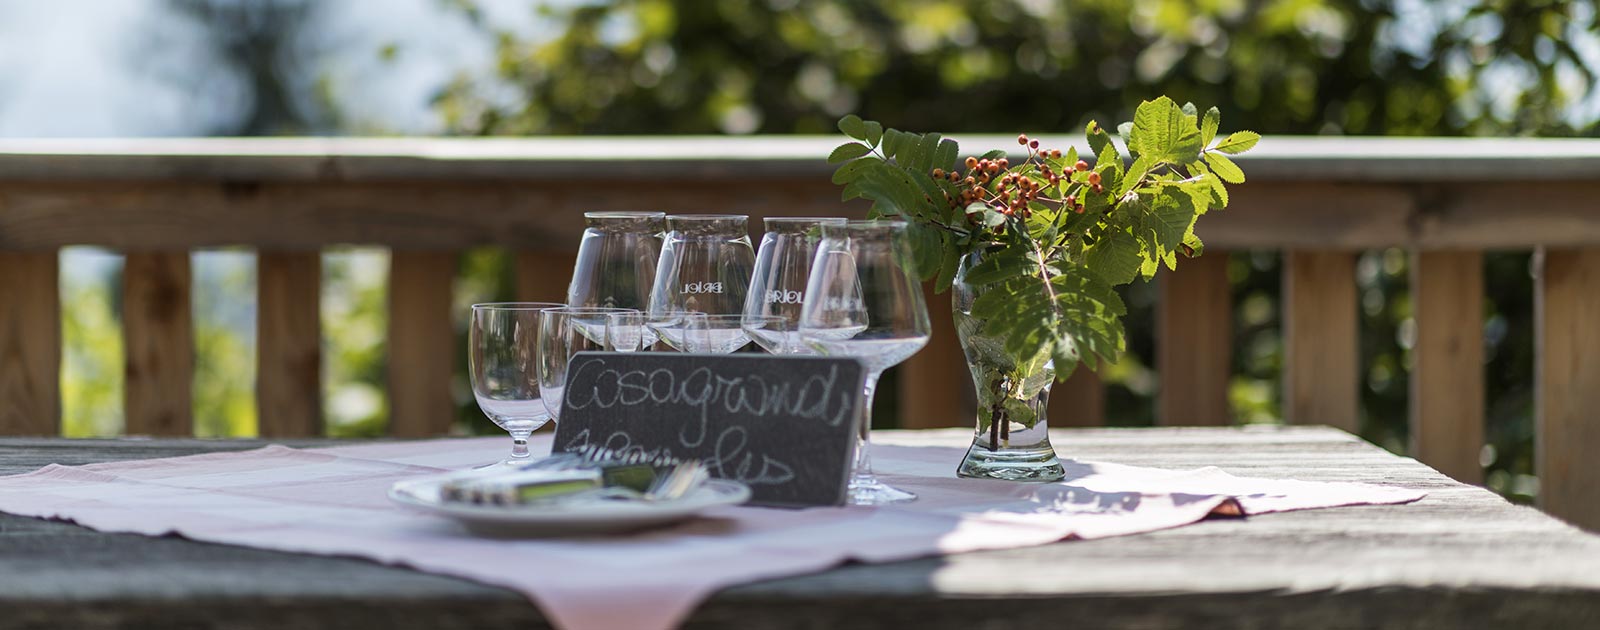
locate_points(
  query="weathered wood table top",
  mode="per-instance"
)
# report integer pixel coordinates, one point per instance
(1461, 557)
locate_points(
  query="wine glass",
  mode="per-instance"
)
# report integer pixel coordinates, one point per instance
(617, 258)
(705, 267)
(862, 301)
(778, 283)
(714, 334)
(776, 334)
(563, 332)
(626, 332)
(502, 357)
(616, 262)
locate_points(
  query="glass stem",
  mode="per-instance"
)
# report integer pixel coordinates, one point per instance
(863, 436)
(519, 444)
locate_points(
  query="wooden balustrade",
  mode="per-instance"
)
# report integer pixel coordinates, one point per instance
(1318, 200)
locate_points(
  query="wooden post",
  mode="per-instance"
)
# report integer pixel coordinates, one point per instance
(1194, 342)
(1568, 380)
(30, 344)
(422, 347)
(935, 385)
(289, 344)
(158, 334)
(1447, 362)
(543, 276)
(1079, 401)
(1321, 346)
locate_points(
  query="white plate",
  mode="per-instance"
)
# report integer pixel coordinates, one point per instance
(566, 519)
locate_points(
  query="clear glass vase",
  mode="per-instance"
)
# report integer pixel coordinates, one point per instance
(1012, 438)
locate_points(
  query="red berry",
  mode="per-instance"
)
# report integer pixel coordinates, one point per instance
(1022, 138)
(938, 173)
(972, 162)
(1099, 189)
(1094, 179)
(1034, 144)
(1081, 165)
(1004, 163)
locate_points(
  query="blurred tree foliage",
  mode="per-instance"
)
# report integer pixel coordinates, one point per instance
(1378, 67)
(791, 66)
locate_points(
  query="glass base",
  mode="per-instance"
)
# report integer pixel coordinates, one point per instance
(867, 490)
(509, 462)
(1036, 463)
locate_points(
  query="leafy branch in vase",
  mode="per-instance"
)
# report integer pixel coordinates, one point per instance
(1047, 237)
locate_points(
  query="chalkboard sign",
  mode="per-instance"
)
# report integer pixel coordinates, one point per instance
(785, 426)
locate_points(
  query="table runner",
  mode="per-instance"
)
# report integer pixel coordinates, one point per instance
(332, 501)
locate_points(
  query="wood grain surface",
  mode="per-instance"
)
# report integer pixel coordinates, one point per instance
(1460, 558)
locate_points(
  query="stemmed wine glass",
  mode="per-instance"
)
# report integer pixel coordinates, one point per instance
(778, 283)
(705, 267)
(714, 334)
(502, 357)
(563, 332)
(862, 301)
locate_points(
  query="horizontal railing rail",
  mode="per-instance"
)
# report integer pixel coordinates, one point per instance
(1318, 200)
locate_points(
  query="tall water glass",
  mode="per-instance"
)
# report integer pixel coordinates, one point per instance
(863, 301)
(563, 332)
(778, 283)
(502, 363)
(705, 267)
(617, 258)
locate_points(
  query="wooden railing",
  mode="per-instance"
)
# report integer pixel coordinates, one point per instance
(1318, 200)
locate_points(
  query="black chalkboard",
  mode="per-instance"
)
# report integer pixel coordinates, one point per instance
(786, 426)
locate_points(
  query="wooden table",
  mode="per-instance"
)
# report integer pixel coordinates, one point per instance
(1460, 558)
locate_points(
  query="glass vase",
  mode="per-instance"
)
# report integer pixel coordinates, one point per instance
(1012, 437)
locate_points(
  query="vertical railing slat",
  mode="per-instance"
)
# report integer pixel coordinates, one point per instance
(1321, 344)
(543, 276)
(1447, 403)
(421, 342)
(1568, 381)
(1079, 401)
(1194, 342)
(30, 344)
(934, 384)
(289, 344)
(158, 337)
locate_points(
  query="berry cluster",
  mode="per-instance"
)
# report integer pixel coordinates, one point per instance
(1010, 190)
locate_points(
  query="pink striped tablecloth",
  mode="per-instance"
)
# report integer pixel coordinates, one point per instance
(333, 501)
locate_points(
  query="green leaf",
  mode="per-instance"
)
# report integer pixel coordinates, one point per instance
(945, 156)
(847, 151)
(1098, 139)
(891, 142)
(851, 171)
(1163, 133)
(1239, 142)
(927, 248)
(1165, 219)
(1208, 126)
(1195, 245)
(999, 266)
(1225, 168)
(948, 265)
(853, 126)
(1115, 257)
(874, 132)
